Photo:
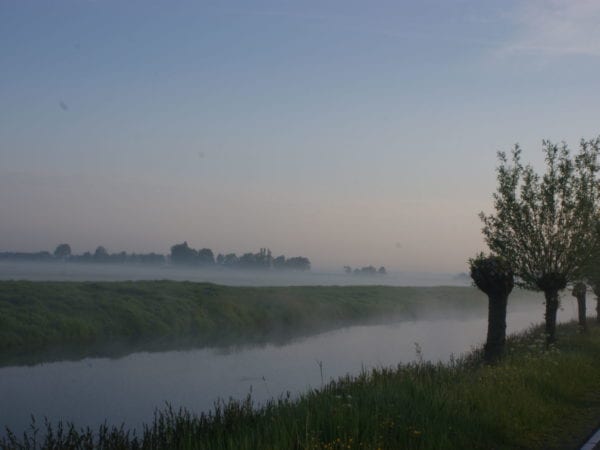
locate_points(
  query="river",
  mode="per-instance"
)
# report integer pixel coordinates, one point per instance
(128, 389)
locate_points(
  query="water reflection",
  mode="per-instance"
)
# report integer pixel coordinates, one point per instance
(130, 388)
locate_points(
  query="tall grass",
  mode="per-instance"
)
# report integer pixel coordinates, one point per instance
(534, 398)
(85, 315)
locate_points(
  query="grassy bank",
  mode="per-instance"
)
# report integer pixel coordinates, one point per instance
(35, 316)
(534, 399)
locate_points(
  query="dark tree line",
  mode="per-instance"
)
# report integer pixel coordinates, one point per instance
(28, 257)
(63, 253)
(367, 270)
(183, 254)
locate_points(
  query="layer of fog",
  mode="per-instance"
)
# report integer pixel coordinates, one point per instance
(118, 272)
(128, 389)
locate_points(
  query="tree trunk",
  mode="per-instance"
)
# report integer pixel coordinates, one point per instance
(582, 312)
(550, 316)
(579, 291)
(598, 309)
(496, 334)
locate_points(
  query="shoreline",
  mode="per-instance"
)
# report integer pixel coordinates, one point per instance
(531, 399)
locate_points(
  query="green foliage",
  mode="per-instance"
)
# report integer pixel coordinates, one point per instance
(546, 226)
(491, 274)
(532, 399)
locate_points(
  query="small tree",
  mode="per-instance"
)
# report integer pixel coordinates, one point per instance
(493, 275)
(279, 262)
(298, 263)
(230, 260)
(183, 254)
(545, 226)
(578, 292)
(101, 254)
(62, 251)
(206, 257)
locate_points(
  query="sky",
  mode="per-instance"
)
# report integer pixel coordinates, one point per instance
(352, 133)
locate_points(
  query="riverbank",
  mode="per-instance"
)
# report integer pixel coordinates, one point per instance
(534, 399)
(89, 318)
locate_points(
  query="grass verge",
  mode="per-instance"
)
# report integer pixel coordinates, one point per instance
(93, 318)
(534, 399)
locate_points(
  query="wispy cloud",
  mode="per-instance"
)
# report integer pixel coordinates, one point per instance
(556, 28)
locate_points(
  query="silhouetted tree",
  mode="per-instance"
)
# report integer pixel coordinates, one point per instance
(206, 257)
(369, 270)
(230, 260)
(381, 271)
(298, 263)
(545, 226)
(279, 262)
(493, 275)
(247, 261)
(183, 254)
(101, 255)
(62, 251)
(579, 290)
(220, 259)
(263, 258)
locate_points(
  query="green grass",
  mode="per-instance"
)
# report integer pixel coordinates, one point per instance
(534, 399)
(92, 318)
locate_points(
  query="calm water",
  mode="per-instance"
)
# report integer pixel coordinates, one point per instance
(130, 388)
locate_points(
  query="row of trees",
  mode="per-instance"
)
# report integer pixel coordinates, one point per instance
(100, 255)
(368, 270)
(544, 235)
(183, 254)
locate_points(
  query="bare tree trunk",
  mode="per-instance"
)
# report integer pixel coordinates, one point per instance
(596, 290)
(579, 291)
(582, 312)
(496, 333)
(550, 315)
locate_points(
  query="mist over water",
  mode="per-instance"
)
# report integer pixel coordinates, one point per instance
(225, 276)
(129, 389)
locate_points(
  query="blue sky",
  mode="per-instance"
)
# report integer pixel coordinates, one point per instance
(350, 132)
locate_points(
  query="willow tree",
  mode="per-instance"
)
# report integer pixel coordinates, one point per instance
(546, 225)
(494, 276)
(579, 291)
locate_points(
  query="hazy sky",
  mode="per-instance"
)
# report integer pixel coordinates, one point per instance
(349, 132)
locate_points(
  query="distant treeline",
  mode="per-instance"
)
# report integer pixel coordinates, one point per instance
(367, 270)
(185, 255)
(181, 255)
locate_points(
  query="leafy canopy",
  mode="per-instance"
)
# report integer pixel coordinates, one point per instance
(492, 274)
(546, 226)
